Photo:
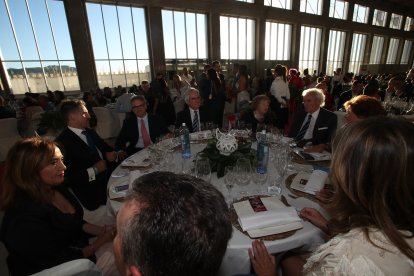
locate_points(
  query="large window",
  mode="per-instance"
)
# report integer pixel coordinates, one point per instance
(408, 45)
(396, 21)
(282, 4)
(409, 24)
(185, 39)
(311, 6)
(360, 14)
(338, 9)
(35, 46)
(335, 51)
(310, 45)
(380, 18)
(376, 49)
(392, 51)
(278, 41)
(236, 38)
(357, 52)
(120, 47)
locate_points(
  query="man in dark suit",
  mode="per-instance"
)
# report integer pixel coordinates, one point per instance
(89, 160)
(314, 124)
(141, 130)
(195, 114)
(356, 90)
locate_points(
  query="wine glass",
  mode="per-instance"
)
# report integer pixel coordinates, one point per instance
(280, 164)
(203, 169)
(260, 178)
(243, 171)
(229, 176)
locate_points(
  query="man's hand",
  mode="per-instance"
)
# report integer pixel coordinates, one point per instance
(100, 166)
(111, 156)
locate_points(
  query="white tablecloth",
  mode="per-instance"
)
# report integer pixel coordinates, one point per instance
(236, 259)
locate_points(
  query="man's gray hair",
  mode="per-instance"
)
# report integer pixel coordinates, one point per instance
(192, 90)
(318, 93)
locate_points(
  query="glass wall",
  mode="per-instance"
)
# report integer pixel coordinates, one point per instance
(185, 40)
(396, 21)
(278, 41)
(380, 18)
(311, 6)
(360, 14)
(338, 9)
(409, 24)
(282, 4)
(236, 38)
(408, 46)
(310, 45)
(392, 51)
(336, 48)
(357, 52)
(35, 46)
(120, 45)
(376, 49)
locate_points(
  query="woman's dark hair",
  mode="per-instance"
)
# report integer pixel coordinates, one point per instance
(372, 170)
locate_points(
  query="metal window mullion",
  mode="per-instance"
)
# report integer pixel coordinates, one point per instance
(122, 49)
(17, 44)
(37, 45)
(54, 44)
(175, 39)
(135, 44)
(185, 35)
(196, 35)
(106, 43)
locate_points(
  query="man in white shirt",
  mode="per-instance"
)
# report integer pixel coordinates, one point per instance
(314, 124)
(195, 115)
(88, 158)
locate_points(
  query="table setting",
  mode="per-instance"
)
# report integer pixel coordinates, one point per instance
(230, 164)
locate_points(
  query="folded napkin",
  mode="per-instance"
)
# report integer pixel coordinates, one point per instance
(316, 181)
(277, 214)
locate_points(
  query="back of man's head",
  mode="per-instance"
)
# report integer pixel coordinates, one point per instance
(68, 107)
(180, 226)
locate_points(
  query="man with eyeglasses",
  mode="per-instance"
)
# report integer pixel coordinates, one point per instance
(141, 130)
(195, 114)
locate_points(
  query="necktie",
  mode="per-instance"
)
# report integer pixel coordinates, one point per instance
(304, 129)
(89, 139)
(195, 122)
(145, 137)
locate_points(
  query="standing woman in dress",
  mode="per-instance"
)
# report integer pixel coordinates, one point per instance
(43, 224)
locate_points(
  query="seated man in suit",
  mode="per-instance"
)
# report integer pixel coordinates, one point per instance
(314, 124)
(171, 224)
(141, 130)
(356, 89)
(195, 114)
(89, 160)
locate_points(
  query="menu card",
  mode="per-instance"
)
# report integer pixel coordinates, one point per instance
(274, 218)
(310, 183)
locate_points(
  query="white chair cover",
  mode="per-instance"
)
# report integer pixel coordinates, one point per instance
(78, 267)
(108, 125)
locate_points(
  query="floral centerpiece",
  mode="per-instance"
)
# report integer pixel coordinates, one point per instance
(219, 159)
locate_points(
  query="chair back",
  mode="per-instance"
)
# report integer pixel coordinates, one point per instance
(8, 136)
(108, 125)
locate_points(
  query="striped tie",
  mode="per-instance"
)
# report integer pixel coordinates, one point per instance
(195, 122)
(304, 129)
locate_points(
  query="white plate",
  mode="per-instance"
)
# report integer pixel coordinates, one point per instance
(120, 173)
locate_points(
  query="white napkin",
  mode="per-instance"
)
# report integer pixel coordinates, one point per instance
(276, 214)
(316, 181)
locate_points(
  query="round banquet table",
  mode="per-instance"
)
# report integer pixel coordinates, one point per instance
(236, 259)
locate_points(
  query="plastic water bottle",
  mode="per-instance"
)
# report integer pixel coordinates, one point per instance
(185, 142)
(262, 152)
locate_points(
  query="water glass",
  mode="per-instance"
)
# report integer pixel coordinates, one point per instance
(203, 169)
(243, 171)
(260, 179)
(229, 176)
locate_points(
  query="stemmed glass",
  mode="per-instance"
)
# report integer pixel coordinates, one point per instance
(203, 169)
(280, 164)
(243, 171)
(260, 178)
(229, 176)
